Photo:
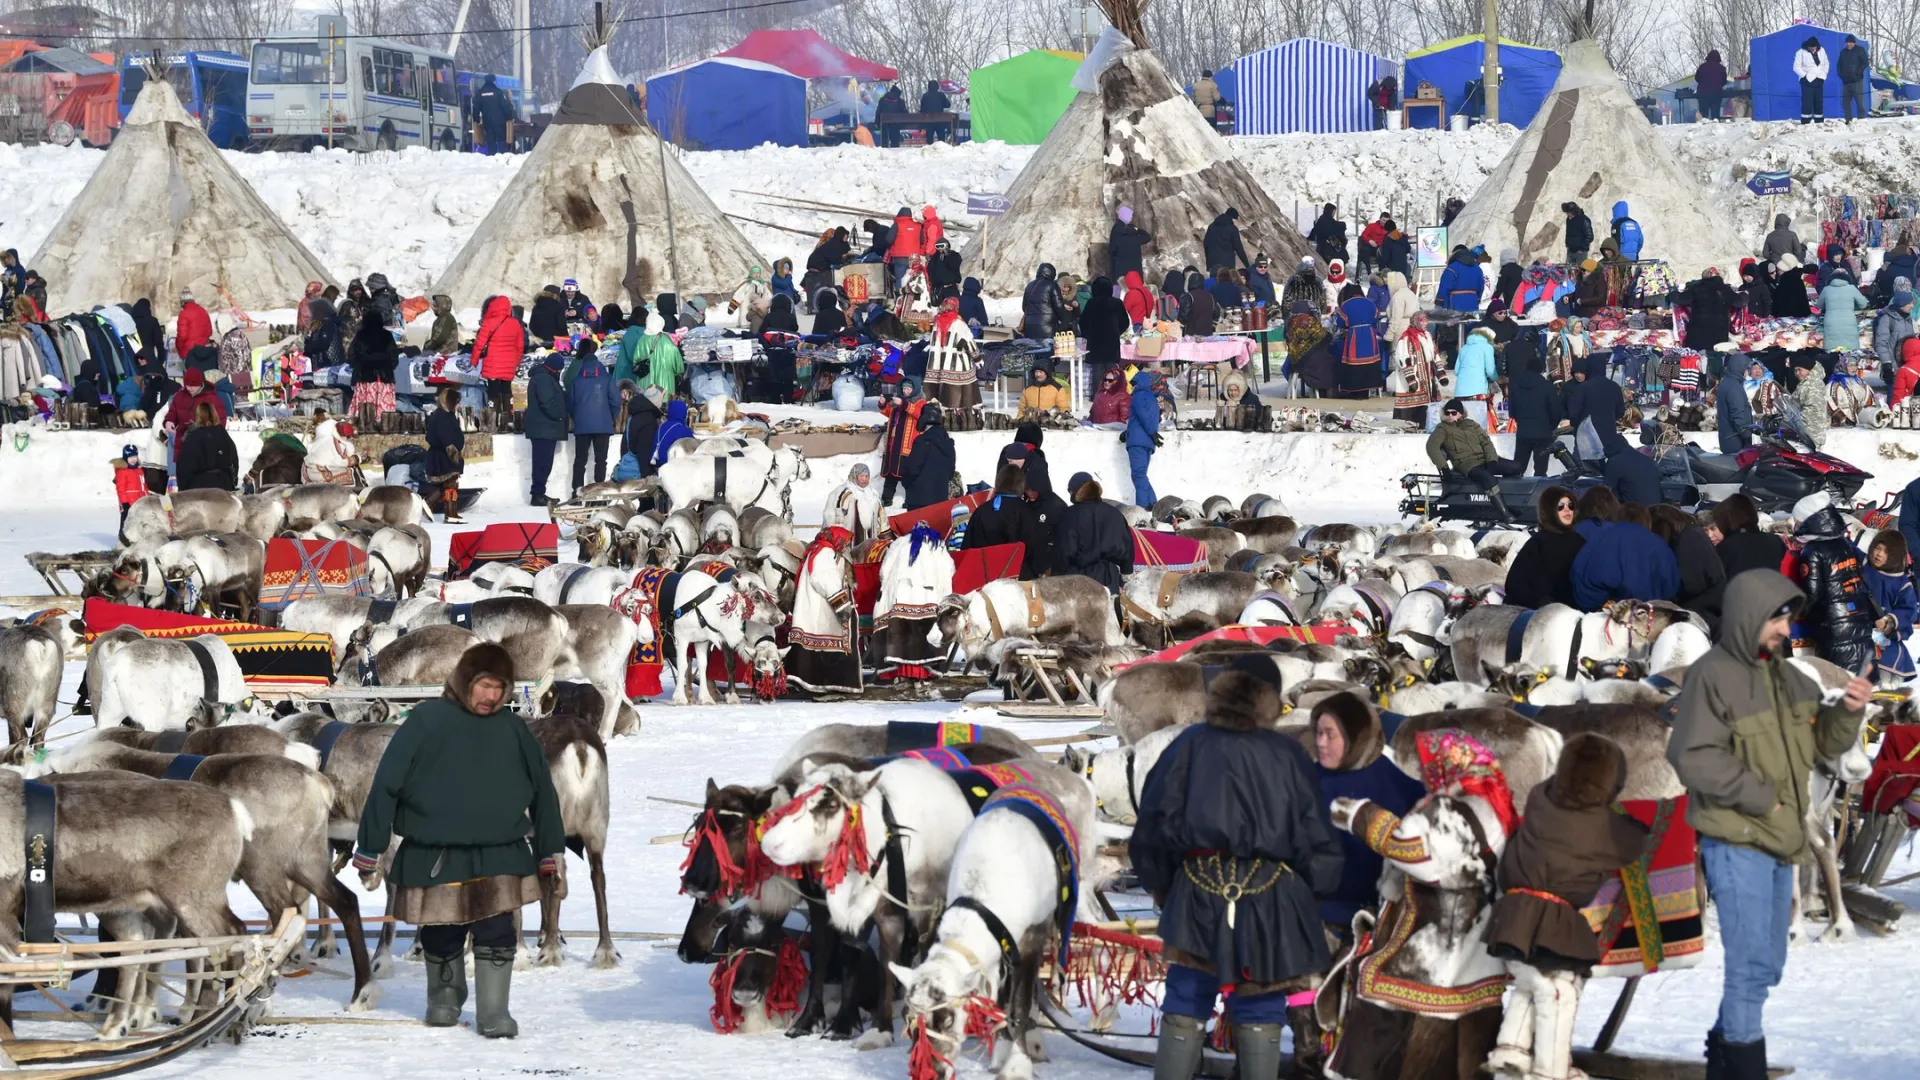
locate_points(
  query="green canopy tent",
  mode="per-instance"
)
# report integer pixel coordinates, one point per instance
(1019, 99)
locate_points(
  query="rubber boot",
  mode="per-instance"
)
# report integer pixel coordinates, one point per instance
(1745, 1061)
(1183, 1041)
(446, 990)
(1566, 459)
(1309, 1063)
(492, 978)
(1500, 505)
(1256, 1051)
(1716, 1055)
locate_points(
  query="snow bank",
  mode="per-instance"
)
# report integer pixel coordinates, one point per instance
(1320, 477)
(408, 212)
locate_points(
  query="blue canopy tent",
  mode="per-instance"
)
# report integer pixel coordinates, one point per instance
(1527, 75)
(1776, 89)
(724, 103)
(1302, 85)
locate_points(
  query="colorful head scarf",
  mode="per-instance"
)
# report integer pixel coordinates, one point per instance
(1451, 761)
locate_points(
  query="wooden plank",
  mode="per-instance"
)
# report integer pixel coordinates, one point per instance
(1612, 1066)
(1056, 713)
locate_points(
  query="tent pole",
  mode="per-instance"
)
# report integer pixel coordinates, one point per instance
(666, 199)
(1490, 74)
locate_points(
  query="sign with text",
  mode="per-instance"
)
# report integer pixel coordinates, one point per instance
(1770, 183)
(987, 204)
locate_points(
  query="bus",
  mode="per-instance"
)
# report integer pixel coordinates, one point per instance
(470, 81)
(367, 94)
(212, 87)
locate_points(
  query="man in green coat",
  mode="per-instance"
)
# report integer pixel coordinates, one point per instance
(464, 784)
(1460, 445)
(650, 358)
(1749, 728)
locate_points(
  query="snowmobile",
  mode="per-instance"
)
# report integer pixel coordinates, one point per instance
(1776, 473)
(1453, 497)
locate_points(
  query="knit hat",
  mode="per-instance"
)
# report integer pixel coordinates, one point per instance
(1496, 305)
(1901, 297)
(194, 379)
(655, 395)
(1589, 265)
(1125, 215)
(1509, 255)
(1078, 480)
(128, 453)
(1454, 405)
(570, 284)
(1804, 359)
(1788, 262)
(555, 362)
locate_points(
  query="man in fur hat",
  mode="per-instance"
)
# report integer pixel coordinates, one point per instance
(1235, 845)
(464, 783)
(1747, 794)
(1569, 844)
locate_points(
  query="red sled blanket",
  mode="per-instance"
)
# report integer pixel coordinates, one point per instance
(1662, 892)
(938, 517)
(1256, 635)
(973, 569)
(303, 569)
(1895, 781)
(1166, 551)
(531, 544)
(269, 659)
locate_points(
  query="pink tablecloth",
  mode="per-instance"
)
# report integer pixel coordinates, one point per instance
(1236, 351)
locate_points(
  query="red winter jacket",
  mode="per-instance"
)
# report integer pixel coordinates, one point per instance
(129, 483)
(1905, 379)
(907, 237)
(1374, 234)
(931, 230)
(194, 329)
(1139, 301)
(501, 344)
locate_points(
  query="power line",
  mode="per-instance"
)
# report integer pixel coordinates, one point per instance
(182, 39)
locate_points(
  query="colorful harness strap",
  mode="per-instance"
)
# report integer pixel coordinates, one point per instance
(944, 758)
(183, 766)
(1040, 808)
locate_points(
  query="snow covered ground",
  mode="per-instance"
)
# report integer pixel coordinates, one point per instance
(1841, 1014)
(407, 213)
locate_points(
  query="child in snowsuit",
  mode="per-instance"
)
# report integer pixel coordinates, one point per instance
(1894, 595)
(1570, 842)
(129, 479)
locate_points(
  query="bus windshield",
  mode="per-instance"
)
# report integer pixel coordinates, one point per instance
(134, 76)
(292, 63)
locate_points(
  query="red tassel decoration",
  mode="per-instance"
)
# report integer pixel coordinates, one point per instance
(923, 1061)
(849, 849)
(725, 1014)
(985, 1021)
(789, 978)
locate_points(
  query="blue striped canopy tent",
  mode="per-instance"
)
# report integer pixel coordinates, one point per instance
(1303, 85)
(1527, 74)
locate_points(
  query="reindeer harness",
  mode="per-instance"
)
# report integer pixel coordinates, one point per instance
(1036, 612)
(209, 675)
(40, 832)
(183, 766)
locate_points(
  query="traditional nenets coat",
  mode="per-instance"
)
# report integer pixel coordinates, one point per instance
(951, 352)
(915, 575)
(822, 654)
(1419, 997)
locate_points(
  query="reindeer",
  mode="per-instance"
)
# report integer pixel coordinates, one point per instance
(763, 478)
(309, 504)
(569, 735)
(128, 844)
(205, 742)
(1181, 606)
(1050, 609)
(1005, 864)
(163, 684)
(1266, 535)
(181, 575)
(288, 804)
(398, 558)
(341, 617)
(394, 505)
(491, 580)
(31, 662)
(821, 827)
(1118, 776)
(154, 519)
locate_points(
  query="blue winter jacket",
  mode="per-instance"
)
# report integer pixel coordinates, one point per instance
(1634, 477)
(1894, 595)
(1732, 411)
(1143, 417)
(672, 430)
(1461, 283)
(1910, 516)
(1598, 398)
(1627, 231)
(1395, 792)
(127, 395)
(1622, 561)
(1475, 369)
(594, 399)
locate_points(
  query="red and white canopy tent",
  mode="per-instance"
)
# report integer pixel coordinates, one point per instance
(808, 55)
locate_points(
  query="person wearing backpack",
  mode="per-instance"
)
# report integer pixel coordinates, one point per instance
(1627, 232)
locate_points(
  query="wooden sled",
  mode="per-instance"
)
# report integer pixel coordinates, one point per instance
(83, 565)
(258, 959)
(581, 508)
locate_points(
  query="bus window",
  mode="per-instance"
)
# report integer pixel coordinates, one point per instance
(296, 63)
(392, 74)
(444, 90)
(132, 78)
(224, 87)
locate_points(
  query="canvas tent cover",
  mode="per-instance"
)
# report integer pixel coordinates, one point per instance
(1591, 145)
(808, 55)
(727, 104)
(1138, 142)
(166, 212)
(586, 204)
(1303, 85)
(1776, 89)
(1019, 99)
(1527, 73)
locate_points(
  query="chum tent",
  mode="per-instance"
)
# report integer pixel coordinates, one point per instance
(598, 200)
(1131, 138)
(1527, 73)
(1019, 99)
(165, 212)
(809, 56)
(725, 103)
(1591, 145)
(1302, 85)
(1776, 89)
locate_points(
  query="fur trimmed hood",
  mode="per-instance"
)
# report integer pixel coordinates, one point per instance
(485, 659)
(1592, 772)
(1238, 700)
(1359, 726)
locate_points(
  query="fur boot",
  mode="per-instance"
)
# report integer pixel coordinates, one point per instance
(1556, 1002)
(1513, 1056)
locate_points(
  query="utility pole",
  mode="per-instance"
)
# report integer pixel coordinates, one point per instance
(1490, 74)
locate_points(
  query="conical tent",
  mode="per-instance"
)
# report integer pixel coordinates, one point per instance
(598, 200)
(1592, 146)
(166, 212)
(1136, 142)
